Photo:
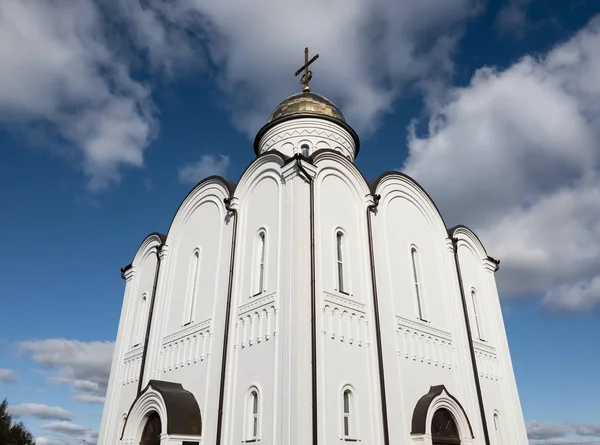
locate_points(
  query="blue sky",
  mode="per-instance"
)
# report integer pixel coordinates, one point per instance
(110, 112)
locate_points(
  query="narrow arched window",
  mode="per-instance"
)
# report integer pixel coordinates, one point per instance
(498, 430)
(417, 282)
(347, 414)
(339, 240)
(476, 314)
(192, 287)
(261, 253)
(252, 415)
(305, 150)
(140, 314)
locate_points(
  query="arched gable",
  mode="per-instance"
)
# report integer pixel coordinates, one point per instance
(268, 163)
(470, 239)
(333, 162)
(394, 184)
(213, 188)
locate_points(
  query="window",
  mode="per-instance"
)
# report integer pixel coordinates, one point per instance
(138, 333)
(252, 419)
(349, 426)
(499, 440)
(305, 150)
(340, 262)
(416, 282)
(152, 430)
(193, 287)
(443, 428)
(260, 262)
(476, 313)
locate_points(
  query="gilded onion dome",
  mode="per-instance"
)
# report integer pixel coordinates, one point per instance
(306, 102)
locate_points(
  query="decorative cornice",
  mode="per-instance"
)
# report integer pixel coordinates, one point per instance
(188, 330)
(134, 352)
(299, 128)
(344, 301)
(255, 303)
(479, 346)
(128, 273)
(164, 250)
(423, 327)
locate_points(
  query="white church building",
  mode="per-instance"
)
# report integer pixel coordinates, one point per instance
(307, 305)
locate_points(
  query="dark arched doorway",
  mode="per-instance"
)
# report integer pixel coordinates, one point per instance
(443, 428)
(152, 430)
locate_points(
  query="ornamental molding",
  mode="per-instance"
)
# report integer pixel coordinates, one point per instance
(307, 127)
(134, 352)
(130, 273)
(339, 300)
(479, 346)
(256, 303)
(422, 327)
(187, 331)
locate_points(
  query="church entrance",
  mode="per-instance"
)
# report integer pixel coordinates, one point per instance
(152, 430)
(443, 429)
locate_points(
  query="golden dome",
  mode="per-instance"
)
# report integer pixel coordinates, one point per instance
(306, 103)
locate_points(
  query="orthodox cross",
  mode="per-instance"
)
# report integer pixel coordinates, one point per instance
(307, 74)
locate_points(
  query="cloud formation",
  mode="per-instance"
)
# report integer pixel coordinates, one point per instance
(208, 165)
(78, 73)
(84, 366)
(67, 433)
(8, 376)
(543, 433)
(60, 73)
(40, 411)
(515, 156)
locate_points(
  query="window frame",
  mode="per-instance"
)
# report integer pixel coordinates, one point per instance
(260, 263)
(138, 332)
(252, 416)
(477, 314)
(349, 423)
(417, 282)
(341, 243)
(192, 286)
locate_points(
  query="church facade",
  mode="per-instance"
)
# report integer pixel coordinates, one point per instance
(307, 305)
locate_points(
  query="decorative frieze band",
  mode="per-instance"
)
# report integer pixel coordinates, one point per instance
(256, 303)
(344, 320)
(488, 365)
(130, 372)
(256, 324)
(188, 346)
(423, 343)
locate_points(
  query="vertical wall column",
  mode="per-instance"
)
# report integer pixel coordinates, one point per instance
(110, 417)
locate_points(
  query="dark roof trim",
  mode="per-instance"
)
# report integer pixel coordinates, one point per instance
(162, 238)
(229, 185)
(183, 413)
(451, 231)
(374, 183)
(419, 418)
(280, 120)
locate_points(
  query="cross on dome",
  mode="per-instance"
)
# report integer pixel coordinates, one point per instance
(307, 73)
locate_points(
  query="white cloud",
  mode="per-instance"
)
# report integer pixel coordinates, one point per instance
(545, 430)
(208, 165)
(8, 376)
(58, 70)
(84, 366)
(369, 50)
(65, 427)
(68, 433)
(72, 72)
(515, 155)
(40, 411)
(547, 433)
